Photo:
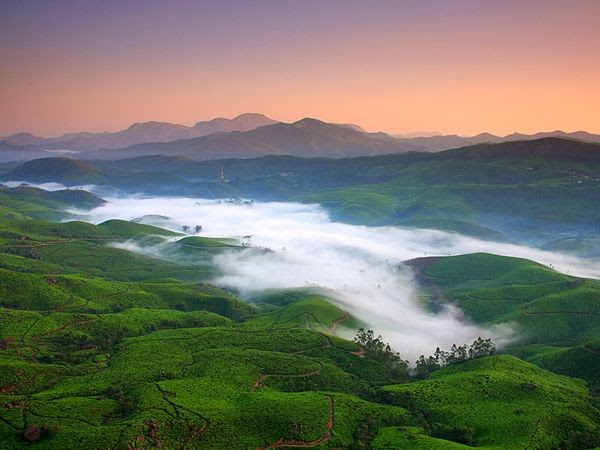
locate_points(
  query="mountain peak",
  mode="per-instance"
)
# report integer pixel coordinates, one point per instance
(153, 124)
(23, 138)
(308, 121)
(243, 122)
(250, 115)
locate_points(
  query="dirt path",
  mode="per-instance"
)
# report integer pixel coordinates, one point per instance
(590, 350)
(542, 313)
(262, 378)
(337, 321)
(67, 325)
(282, 442)
(360, 352)
(195, 431)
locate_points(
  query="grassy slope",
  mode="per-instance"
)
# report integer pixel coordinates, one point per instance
(556, 316)
(106, 348)
(506, 402)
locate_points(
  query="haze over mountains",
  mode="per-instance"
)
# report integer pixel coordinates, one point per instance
(142, 132)
(247, 136)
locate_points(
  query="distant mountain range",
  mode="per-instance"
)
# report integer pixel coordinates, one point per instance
(307, 137)
(444, 142)
(141, 132)
(247, 136)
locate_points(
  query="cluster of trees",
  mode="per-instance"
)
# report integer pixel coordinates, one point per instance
(480, 347)
(197, 228)
(375, 348)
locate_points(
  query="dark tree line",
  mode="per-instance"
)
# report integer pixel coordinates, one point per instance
(375, 348)
(480, 347)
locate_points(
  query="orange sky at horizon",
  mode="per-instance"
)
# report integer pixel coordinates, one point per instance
(498, 67)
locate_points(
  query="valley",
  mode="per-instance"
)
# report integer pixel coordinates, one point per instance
(174, 322)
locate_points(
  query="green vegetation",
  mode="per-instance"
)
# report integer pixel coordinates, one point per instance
(556, 316)
(542, 192)
(104, 348)
(62, 170)
(500, 402)
(456, 355)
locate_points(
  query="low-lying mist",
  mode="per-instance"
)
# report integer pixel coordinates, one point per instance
(359, 266)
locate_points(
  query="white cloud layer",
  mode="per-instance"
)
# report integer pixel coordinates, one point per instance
(53, 186)
(361, 266)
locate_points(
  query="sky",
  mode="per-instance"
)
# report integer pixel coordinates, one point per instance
(462, 66)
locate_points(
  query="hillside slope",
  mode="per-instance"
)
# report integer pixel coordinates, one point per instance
(556, 317)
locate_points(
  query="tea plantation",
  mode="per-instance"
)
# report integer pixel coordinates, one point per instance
(104, 348)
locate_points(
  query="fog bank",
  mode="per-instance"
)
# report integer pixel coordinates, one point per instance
(361, 266)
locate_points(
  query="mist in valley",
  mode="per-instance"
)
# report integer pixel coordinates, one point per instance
(358, 266)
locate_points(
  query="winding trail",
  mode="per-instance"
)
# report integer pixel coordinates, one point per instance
(590, 350)
(339, 320)
(262, 378)
(543, 313)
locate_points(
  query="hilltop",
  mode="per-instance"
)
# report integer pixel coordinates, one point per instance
(62, 170)
(243, 122)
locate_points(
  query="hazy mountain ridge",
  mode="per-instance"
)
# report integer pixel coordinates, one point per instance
(444, 142)
(250, 135)
(305, 138)
(243, 122)
(138, 133)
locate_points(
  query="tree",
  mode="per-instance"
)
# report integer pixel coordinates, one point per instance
(481, 347)
(380, 351)
(440, 356)
(424, 366)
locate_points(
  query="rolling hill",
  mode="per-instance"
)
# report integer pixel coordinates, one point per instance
(10, 151)
(232, 138)
(556, 317)
(439, 142)
(61, 170)
(543, 192)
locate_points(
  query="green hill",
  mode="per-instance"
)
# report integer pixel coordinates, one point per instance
(498, 402)
(541, 192)
(128, 229)
(556, 316)
(60, 170)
